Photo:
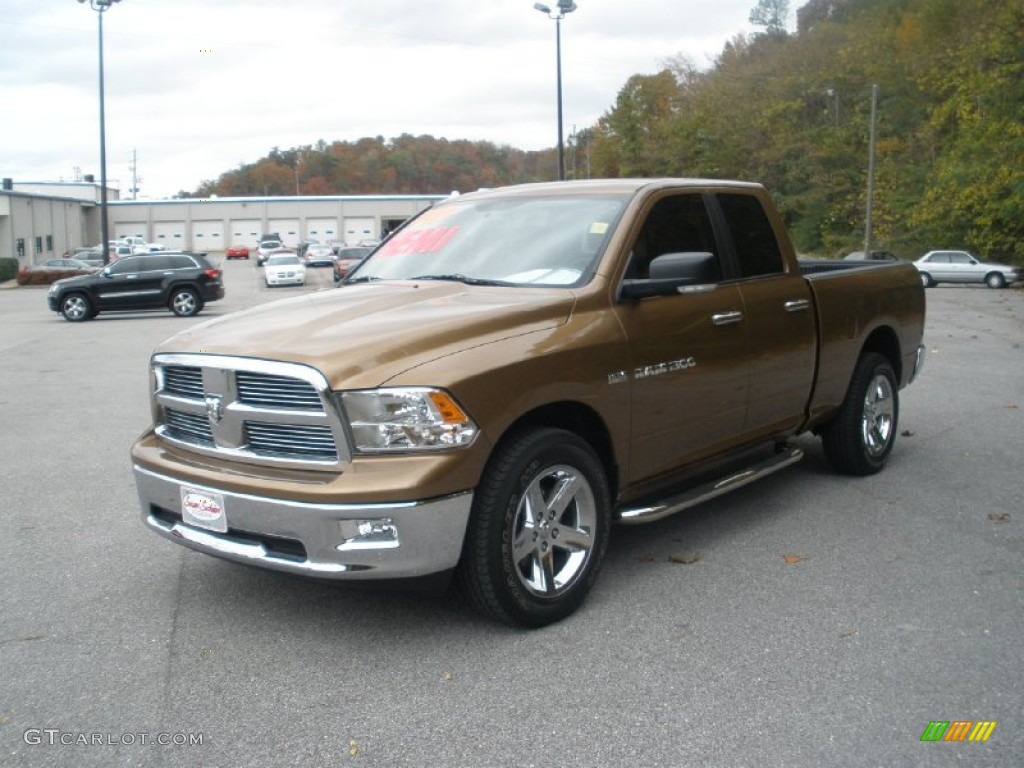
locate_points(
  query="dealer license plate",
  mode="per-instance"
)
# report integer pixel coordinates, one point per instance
(203, 510)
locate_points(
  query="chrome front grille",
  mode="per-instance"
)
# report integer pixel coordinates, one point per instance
(255, 411)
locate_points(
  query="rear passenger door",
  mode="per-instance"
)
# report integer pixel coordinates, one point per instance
(778, 315)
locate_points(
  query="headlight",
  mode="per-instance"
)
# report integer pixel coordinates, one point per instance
(405, 419)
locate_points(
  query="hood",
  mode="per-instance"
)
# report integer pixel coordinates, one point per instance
(362, 335)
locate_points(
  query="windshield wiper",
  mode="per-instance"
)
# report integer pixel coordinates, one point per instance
(365, 279)
(459, 278)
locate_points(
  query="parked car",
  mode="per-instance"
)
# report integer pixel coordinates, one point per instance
(284, 268)
(348, 259)
(264, 249)
(304, 245)
(238, 252)
(319, 255)
(963, 267)
(91, 255)
(181, 282)
(120, 250)
(872, 256)
(65, 264)
(269, 237)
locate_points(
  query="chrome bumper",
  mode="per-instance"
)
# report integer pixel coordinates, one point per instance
(328, 541)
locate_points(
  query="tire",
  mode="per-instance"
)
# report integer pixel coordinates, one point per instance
(860, 438)
(538, 529)
(76, 307)
(185, 302)
(995, 280)
(926, 280)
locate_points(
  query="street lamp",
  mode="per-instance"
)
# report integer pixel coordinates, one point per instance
(101, 7)
(564, 7)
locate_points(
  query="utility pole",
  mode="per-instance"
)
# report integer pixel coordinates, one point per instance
(871, 171)
(135, 174)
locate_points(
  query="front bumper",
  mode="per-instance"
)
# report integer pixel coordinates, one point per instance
(330, 541)
(286, 279)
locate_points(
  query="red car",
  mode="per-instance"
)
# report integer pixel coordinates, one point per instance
(348, 259)
(238, 252)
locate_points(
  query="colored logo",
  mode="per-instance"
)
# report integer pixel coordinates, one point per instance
(959, 730)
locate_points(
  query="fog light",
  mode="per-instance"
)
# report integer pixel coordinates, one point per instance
(380, 533)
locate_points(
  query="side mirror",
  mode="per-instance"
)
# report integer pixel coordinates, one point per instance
(671, 272)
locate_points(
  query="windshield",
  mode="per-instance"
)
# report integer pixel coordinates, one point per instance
(521, 241)
(285, 259)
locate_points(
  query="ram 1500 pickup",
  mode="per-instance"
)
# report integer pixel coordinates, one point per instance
(512, 371)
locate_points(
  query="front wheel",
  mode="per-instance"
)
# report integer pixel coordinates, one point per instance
(538, 529)
(861, 436)
(926, 280)
(75, 307)
(995, 280)
(185, 302)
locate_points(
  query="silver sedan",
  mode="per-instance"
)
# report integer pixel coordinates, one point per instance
(962, 267)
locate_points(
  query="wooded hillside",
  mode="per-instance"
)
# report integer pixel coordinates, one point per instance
(788, 109)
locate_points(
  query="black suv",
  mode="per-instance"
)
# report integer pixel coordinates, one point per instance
(181, 282)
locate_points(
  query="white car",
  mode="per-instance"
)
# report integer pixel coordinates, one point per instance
(284, 269)
(962, 267)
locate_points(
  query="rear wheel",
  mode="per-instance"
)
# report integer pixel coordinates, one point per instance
(995, 280)
(76, 307)
(538, 529)
(185, 302)
(860, 438)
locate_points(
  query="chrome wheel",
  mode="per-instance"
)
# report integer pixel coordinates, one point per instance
(75, 307)
(878, 417)
(553, 531)
(538, 529)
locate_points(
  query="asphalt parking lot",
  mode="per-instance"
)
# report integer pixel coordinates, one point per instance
(815, 620)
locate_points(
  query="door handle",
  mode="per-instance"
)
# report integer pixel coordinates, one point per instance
(796, 305)
(726, 318)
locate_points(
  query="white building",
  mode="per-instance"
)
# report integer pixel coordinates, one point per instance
(42, 220)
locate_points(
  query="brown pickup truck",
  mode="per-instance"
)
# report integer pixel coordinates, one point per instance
(512, 371)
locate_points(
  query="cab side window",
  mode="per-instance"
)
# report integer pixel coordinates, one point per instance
(677, 224)
(124, 266)
(757, 250)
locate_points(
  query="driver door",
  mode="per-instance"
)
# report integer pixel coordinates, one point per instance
(688, 374)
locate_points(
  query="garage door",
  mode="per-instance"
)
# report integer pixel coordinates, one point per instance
(322, 230)
(245, 232)
(288, 229)
(170, 234)
(208, 236)
(357, 229)
(127, 228)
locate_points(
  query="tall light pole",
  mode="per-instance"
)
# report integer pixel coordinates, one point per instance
(564, 7)
(101, 7)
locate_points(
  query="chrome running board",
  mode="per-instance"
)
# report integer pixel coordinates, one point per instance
(635, 515)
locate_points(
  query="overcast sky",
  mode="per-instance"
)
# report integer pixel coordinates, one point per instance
(198, 87)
